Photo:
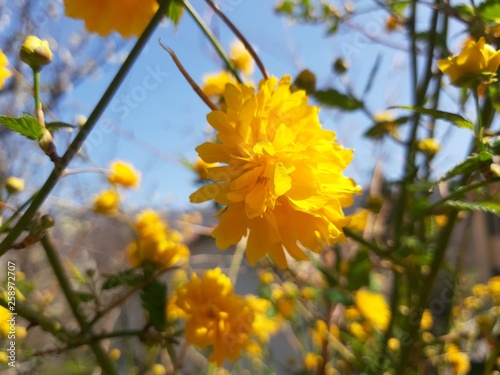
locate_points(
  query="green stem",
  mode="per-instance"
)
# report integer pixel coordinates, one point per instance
(105, 362)
(459, 192)
(35, 317)
(211, 37)
(480, 127)
(84, 132)
(236, 261)
(36, 92)
(5, 225)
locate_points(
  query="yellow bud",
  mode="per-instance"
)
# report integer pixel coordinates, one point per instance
(158, 369)
(393, 344)
(428, 146)
(14, 185)
(114, 354)
(35, 52)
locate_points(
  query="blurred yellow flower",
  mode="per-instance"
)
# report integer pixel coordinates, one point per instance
(124, 174)
(174, 312)
(441, 220)
(158, 369)
(215, 84)
(312, 361)
(264, 326)
(427, 321)
(480, 290)
(475, 59)
(127, 17)
(393, 344)
(4, 324)
(392, 23)
(352, 313)
(374, 308)
(241, 58)
(14, 185)
(266, 277)
(156, 242)
(283, 183)
(4, 72)
(459, 360)
(115, 354)
(357, 331)
(106, 202)
(428, 146)
(494, 289)
(216, 317)
(201, 169)
(358, 220)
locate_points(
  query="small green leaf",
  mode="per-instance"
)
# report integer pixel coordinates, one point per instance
(154, 301)
(335, 295)
(174, 11)
(486, 206)
(333, 98)
(26, 125)
(470, 164)
(127, 277)
(85, 297)
(54, 126)
(489, 11)
(450, 117)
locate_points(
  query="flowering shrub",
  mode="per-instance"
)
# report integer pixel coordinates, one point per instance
(308, 284)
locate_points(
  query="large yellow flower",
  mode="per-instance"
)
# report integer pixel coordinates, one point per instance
(156, 242)
(216, 317)
(4, 72)
(215, 83)
(374, 308)
(283, 182)
(127, 17)
(476, 58)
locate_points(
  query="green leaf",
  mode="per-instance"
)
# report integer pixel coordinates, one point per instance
(358, 273)
(489, 11)
(447, 116)
(154, 301)
(85, 297)
(493, 145)
(174, 11)
(486, 206)
(54, 126)
(470, 164)
(127, 277)
(335, 295)
(26, 125)
(333, 98)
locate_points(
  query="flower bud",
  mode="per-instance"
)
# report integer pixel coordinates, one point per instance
(14, 185)
(340, 66)
(35, 52)
(47, 221)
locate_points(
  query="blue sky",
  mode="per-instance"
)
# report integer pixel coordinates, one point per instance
(156, 119)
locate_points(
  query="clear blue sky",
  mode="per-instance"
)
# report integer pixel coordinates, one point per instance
(156, 119)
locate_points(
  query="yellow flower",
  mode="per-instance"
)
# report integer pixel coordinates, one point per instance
(127, 17)
(393, 344)
(494, 288)
(266, 277)
(459, 360)
(426, 322)
(359, 218)
(158, 369)
(106, 202)
(4, 324)
(14, 185)
(124, 174)
(312, 361)
(319, 333)
(240, 57)
(201, 169)
(216, 317)
(156, 242)
(264, 326)
(428, 146)
(357, 331)
(4, 72)
(173, 311)
(352, 313)
(215, 84)
(441, 220)
(374, 308)
(115, 354)
(283, 182)
(475, 59)
(480, 290)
